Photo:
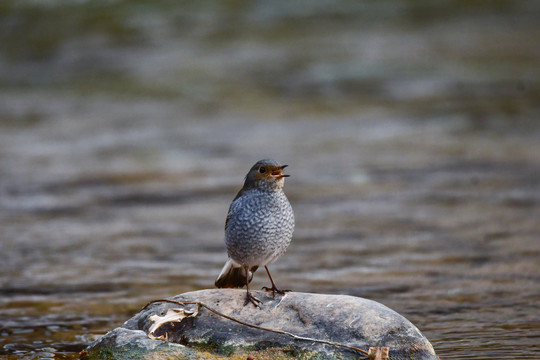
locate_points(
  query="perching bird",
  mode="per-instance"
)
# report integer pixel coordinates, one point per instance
(259, 227)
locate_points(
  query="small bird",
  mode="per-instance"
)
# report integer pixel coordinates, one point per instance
(258, 229)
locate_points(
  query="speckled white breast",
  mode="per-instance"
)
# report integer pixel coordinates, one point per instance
(259, 227)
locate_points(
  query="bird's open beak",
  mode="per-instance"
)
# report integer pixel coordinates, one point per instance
(279, 172)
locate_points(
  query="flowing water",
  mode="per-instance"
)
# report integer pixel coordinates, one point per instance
(411, 131)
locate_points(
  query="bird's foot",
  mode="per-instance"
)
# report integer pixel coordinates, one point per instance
(252, 299)
(275, 290)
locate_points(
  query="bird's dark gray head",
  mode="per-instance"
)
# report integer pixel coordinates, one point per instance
(266, 173)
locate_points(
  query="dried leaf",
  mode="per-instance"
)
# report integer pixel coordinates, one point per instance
(378, 353)
(172, 315)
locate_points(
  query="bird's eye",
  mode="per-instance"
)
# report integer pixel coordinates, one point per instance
(262, 170)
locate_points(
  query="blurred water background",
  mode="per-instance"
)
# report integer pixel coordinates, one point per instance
(411, 130)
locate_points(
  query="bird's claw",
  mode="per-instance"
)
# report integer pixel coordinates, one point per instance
(252, 299)
(275, 290)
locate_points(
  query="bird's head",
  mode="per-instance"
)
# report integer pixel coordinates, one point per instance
(266, 173)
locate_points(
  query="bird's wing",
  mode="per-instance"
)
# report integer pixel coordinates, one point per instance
(231, 207)
(227, 220)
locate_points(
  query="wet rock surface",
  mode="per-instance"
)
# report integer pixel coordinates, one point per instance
(342, 319)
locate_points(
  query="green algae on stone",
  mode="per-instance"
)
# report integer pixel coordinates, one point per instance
(126, 344)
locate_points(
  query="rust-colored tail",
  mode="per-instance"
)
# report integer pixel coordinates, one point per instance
(233, 275)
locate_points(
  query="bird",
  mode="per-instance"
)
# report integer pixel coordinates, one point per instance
(258, 228)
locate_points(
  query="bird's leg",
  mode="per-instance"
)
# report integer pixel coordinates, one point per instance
(250, 298)
(274, 288)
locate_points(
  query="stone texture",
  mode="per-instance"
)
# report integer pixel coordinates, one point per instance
(338, 318)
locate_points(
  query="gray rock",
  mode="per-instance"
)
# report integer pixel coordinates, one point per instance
(342, 319)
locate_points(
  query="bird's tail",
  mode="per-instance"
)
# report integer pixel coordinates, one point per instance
(233, 275)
